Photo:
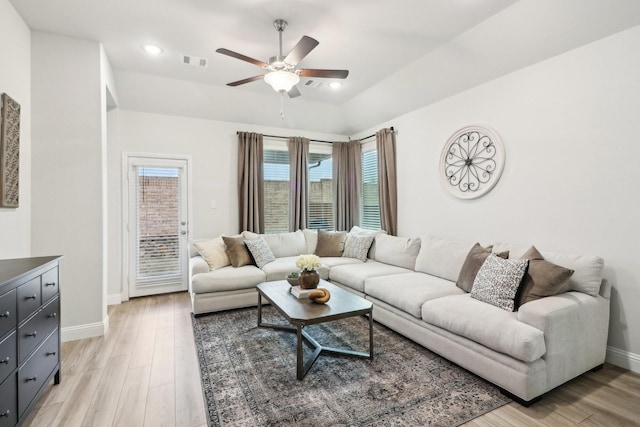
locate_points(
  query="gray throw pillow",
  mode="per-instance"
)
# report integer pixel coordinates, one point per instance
(261, 251)
(543, 278)
(330, 243)
(357, 246)
(498, 281)
(475, 258)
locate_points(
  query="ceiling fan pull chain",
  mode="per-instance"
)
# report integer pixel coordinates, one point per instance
(281, 105)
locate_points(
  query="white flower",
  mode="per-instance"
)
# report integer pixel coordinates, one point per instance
(308, 262)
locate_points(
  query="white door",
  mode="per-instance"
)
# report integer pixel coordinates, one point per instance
(157, 225)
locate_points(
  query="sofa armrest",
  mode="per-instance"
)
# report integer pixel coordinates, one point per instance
(575, 327)
(197, 265)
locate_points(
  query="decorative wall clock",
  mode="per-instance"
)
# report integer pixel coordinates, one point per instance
(472, 162)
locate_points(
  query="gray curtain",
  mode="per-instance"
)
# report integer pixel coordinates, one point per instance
(298, 182)
(387, 183)
(347, 184)
(250, 182)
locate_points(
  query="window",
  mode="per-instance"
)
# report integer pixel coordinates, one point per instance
(320, 189)
(276, 187)
(370, 198)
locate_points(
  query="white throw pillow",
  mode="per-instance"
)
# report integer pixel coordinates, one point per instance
(214, 253)
(260, 251)
(498, 280)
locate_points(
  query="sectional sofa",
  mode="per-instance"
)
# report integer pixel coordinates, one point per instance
(417, 288)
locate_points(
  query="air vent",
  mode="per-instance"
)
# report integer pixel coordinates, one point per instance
(314, 83)
(194, 61)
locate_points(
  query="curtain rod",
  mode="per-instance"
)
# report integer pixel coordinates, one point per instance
(371, 136)
(316, 140)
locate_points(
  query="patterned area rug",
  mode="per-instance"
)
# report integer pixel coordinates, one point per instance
(249, 377)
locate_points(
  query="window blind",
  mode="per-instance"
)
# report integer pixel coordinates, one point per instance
(158, 259)
(370, 198)
(276, 190)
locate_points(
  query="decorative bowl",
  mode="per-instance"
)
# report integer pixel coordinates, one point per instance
(293, 281)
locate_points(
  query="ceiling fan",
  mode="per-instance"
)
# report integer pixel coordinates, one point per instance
(283, 74)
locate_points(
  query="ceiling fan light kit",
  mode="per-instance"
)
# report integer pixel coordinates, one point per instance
(281, 81)
(283, 74)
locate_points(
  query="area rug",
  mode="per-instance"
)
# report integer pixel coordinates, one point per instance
(249, 377)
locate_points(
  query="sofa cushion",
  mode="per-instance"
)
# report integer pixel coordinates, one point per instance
(497, 329)
(332, 261)
(281, 267)
(237, 251)
(441, 256)
(472, 263)
(542, 279)
(330, 243)
(498, 281)
(408, 291)
(227, 279)
(354, 275)
(214, 252)
(357, 246)
(398, 251)
(587, 276)
(260, 251)
(286, 244)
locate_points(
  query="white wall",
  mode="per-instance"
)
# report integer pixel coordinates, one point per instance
(213, 147)
(570, 126)
(68, 139)
(15, 81)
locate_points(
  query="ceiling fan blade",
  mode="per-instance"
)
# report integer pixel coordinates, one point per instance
(294, 92)
(243, 81)
(329, 74)
(241, 57)
(302, 49)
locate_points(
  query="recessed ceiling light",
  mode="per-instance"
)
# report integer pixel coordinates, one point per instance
(335, 85)
(152, 49)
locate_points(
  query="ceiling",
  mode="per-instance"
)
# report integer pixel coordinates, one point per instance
(384, 44)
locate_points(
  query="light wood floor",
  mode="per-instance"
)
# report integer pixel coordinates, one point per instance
(144, 372)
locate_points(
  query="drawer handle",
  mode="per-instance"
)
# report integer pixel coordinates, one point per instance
(5, 413)
(33, 378)
(34, 296)
(31, 335)
(5, 314)
(52, 315)
(50, 284)
(5, 360)
(50, 353)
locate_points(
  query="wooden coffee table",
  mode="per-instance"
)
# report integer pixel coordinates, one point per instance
(303, 312)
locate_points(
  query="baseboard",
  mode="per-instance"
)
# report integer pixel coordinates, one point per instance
(114, 299)
(624, 359)
(90, 330)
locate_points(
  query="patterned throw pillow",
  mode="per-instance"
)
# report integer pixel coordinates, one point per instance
(260, 250)
(475, 258)
(357, 246)
(498, 281)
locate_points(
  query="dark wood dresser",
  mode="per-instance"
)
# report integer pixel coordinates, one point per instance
(29, 333)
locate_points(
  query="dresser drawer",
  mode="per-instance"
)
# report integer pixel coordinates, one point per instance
(8, 359)
(49, 284)
(29, 299)
(8, 312)
(34, 373)
(8, 402)
(31, 333)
